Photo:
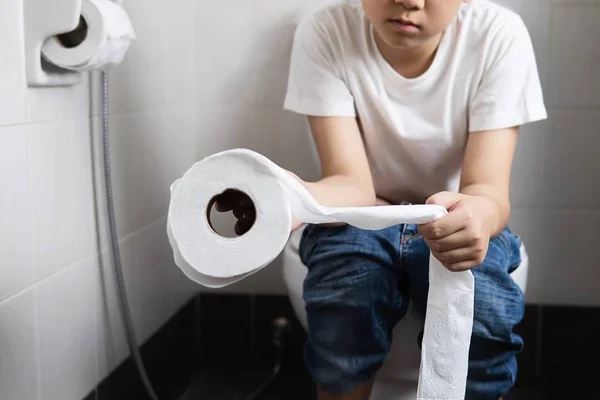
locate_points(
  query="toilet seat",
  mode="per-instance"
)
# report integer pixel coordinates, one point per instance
(398, 377)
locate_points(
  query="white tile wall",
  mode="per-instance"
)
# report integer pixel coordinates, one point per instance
(62, 194)
(19, 372)
(13, 99)
(140, 167)
(59, 103)
(66, 307)
(572, 171)
(574, 56)
(569, 260)
(193, 85)
(16, 231)
(60, 325)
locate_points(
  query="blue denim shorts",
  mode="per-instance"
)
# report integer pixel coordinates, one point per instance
(359, 285)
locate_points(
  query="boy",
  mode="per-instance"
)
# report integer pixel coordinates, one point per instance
(412, 101)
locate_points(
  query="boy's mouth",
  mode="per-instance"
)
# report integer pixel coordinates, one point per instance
(405, 25)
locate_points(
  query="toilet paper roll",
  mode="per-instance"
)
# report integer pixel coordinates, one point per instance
(216, 261)
(108, 35)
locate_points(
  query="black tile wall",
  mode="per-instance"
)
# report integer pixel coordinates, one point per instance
(527, 360)
(266, 310)
(225, 329)
(571, 348)
(169, 358)
(218, 333)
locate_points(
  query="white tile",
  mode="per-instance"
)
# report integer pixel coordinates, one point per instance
(571, 163)
(570, 272)
(138, 83)
(250, 61)
(112, 344)
(293, 147)
(574, 57)
(184, 141)
(47, 104)
(13, 94)
(19, 379)
(527, 224)
(67, 304)
(62, 194)
(16, 229)
(282, 136)
(527, 169)
(179, 54)
(140, 167)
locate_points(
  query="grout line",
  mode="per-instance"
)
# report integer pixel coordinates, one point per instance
(97, 115)
(37, 347)
(79, 262)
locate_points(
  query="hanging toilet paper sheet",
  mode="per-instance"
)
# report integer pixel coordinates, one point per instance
(108, 35)
(216, 261)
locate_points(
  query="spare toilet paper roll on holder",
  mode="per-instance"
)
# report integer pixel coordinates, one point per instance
(43, 19)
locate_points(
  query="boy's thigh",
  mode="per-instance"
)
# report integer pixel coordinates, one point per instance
(498, 308)
(499, 301)
(353, 296)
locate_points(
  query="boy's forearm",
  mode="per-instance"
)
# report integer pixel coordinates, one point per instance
(341, 191)
(495, 205)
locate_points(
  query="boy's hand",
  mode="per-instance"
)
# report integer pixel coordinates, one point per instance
(460, 239)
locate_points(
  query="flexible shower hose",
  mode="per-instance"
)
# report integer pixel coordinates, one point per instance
(114, 247)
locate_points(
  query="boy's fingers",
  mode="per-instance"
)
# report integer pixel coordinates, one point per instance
(445, 226)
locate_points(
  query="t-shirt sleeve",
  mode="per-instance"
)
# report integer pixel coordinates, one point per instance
(510, 92)
(315, 85)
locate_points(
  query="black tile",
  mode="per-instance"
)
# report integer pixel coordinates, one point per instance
(266, 310)
(224, 384)
(225, 329)
(169, 358)
(238, 383)
(522, 394)
(571, 393)
(528, 330)
(91, 396)
(570, 348)
(294, 385)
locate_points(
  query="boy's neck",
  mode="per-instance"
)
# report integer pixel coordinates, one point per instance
(410, 63)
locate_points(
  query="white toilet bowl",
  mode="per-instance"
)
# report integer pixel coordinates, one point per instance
(398, 377)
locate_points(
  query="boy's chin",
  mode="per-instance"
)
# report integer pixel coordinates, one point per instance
(403, 43)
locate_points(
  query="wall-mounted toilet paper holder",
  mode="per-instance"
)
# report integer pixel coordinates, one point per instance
(43, 19)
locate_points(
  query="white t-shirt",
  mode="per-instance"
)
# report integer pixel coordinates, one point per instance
(484, 77)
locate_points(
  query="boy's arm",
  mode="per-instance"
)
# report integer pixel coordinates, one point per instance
(486, 173)
(346, 176)
(482, 208)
